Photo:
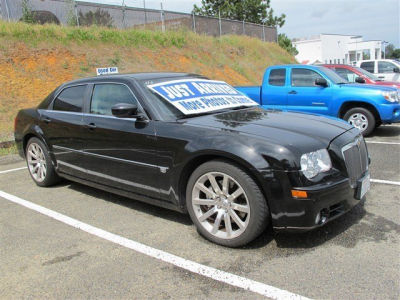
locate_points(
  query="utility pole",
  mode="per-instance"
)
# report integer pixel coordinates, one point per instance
(162, 18)
(219, 22)
(145, 13)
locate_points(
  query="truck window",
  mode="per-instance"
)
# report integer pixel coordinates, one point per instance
(70, 99)
(304, 77)
(385, 67)
(368, 65)
(277, 77)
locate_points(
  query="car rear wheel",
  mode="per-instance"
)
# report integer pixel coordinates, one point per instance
(39, 163)
(225, 204)
(361, 118)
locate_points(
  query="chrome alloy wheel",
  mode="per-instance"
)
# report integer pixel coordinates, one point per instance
(359, 121)
(221, 205)
(36, 162)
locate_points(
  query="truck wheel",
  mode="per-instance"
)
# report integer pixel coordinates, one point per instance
(361, 118)
(39, 163)
(225, 204)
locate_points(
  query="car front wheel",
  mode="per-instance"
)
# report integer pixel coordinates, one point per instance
(361, 118)
(225, 204)
(39, 163)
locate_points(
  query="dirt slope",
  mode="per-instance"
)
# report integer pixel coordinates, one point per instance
(36, 59)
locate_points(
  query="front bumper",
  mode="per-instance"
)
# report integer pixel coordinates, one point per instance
(325, 203)
(389, 113)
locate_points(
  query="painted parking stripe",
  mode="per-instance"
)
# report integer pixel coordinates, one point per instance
(384, 143)
(13, 170)
(385, 181)
(222, 276)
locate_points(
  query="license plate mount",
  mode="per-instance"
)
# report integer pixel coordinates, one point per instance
(363, 186)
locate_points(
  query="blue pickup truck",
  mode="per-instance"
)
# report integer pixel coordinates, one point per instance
(319, 90)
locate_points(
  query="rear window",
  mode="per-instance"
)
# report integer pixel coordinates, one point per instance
(277, 77)
(368, 65)
(70, 99)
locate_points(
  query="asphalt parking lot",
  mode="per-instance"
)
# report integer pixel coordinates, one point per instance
(355, 256)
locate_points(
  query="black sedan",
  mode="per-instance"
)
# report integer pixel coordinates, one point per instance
(194, 145)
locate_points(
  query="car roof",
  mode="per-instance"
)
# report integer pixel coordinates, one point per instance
(130, 76)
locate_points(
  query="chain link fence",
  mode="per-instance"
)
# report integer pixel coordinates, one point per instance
(80, 13)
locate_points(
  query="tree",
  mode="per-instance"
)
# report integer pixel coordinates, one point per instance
(254, 11)
(285, 43)
(27, 13)
(392, 52)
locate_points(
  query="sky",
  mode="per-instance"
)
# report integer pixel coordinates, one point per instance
(373, 19)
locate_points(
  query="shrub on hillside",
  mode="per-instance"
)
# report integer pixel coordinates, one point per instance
(99, 17)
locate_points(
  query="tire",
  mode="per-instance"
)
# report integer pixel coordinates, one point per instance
(225, 206)
(39, 163)
(361, 118)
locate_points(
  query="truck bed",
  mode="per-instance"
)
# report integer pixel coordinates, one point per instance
(253, 92)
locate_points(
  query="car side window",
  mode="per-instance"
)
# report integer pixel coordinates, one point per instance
(277, 77)
(106, 95)
(70, 99)
(385, 67)
(350, 76)
(368, 66)
(304, 77)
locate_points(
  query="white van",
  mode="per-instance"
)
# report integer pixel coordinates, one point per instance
(384, 69)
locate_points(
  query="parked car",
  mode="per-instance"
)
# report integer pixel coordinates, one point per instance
(316, 89)
(357, 75)
(385, 69)
(194, 145)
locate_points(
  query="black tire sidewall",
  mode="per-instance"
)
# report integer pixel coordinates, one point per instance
(51, 176)
(368, 114)
(259, 213)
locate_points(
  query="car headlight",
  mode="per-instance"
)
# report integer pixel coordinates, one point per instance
(314, 163)
(391, 96)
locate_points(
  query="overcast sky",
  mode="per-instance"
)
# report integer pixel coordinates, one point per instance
(373, 19)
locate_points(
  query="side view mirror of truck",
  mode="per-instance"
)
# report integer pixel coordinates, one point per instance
(396, 70)
(360, 80)
(321, 82)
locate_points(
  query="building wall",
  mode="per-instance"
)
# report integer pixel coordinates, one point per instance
(337, 49)
(309, 51)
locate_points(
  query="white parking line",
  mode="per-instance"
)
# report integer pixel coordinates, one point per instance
(222, 276)
(385, 181)
(385, 143)
(12, 170)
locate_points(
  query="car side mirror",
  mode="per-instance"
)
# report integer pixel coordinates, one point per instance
(396, 70)
(360, 80)
(125, 110)
(321, 82)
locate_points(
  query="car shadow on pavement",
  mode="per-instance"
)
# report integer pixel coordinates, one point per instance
(153, 210)
(316, 237)
(386, 131)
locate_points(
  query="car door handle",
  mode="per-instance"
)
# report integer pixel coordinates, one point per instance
(91, 126)
(46, 119)
(381, 77)
(292, 92)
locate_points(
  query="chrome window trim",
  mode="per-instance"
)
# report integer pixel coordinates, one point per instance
(161, 168)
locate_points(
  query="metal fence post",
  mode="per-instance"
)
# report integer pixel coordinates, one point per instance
(123, 7)
(194, 23)
(263, 27)
(219, 22)
(145, 13)
(162, 18)
(76, 13)
(7, 10)
(244, 32)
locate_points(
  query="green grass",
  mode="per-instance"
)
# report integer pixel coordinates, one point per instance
(34, 34)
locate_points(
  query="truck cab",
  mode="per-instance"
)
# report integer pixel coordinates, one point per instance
(384, 69)
(319, 90)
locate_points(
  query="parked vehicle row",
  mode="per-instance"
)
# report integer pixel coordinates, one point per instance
(384, 69)
(319, 90)
(195, 145)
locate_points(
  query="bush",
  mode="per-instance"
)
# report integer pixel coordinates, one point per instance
(99, 17)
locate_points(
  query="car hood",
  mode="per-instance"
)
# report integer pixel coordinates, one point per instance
(388, 83)
(374, 87)
(288, 129)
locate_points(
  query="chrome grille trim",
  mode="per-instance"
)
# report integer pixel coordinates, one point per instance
(355, 156)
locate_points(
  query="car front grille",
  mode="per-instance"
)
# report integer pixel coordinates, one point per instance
(355, 156)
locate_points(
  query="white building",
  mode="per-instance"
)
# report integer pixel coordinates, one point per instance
(336, 49)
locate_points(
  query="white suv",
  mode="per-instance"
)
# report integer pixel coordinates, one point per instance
(385, 69)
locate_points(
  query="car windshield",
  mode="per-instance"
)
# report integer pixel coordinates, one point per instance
(190, 96)
(367, 74)
(333, 76)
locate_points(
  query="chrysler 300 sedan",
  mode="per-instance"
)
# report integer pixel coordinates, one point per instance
(197, 146)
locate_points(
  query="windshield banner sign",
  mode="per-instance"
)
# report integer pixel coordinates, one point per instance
(193, 96)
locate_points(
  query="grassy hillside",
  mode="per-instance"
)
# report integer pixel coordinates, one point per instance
(34, 59)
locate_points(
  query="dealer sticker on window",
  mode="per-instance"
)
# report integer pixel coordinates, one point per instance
(193, 96)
